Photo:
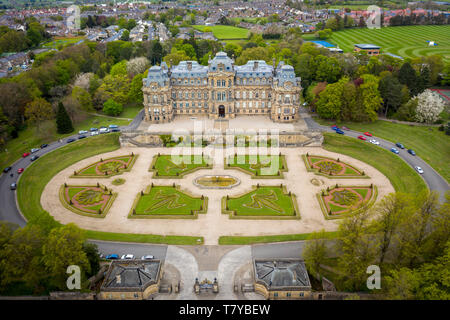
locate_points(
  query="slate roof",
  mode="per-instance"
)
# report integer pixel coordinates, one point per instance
(366, 46)
(131, 275)
(282, 274)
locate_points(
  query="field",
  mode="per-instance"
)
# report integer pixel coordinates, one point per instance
(59, 42)
(430, 144)
(225, 32)
(405, 41)
(402, 177)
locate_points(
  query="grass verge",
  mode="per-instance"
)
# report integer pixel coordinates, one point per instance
(237, 240)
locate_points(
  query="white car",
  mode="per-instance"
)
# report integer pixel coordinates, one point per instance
(418, 169)
(373, 141)
(35, 150)
(94, 133)
(147, 257)
(103, 130)
(82, 132)
(127, 257)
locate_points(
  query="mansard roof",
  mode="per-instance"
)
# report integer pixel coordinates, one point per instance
(254, 68)
(221, 58)
(189, 69)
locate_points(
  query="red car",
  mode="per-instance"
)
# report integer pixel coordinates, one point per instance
(20, 170)
(26, 154)
(368, 134)
(362, 138)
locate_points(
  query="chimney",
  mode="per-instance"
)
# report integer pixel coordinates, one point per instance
(189, 65)
(255, 65)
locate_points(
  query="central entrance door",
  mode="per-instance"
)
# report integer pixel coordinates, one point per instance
(221, 111)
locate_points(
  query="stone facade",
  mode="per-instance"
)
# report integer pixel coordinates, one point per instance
(221, 90)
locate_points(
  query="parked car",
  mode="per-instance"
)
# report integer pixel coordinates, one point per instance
(93, 129)
(147, 257)
(35, 150)
(115, 130)
(113, 126)
(70, 140)
(20, 170)
(82, 132)
(34, 158)
(81, 136)
(335, 127)
(368, 134)
(26, 154)
(45, 145)
(112, 256)
(345, 128)
(103, 130)
(127, 257)
(7, 169)
(94, 133)
(398, 144)
(13, 186)
(339, 131)
(411, 152)
(418, 169)
(375, 142)
(394, 150)
(362, 138)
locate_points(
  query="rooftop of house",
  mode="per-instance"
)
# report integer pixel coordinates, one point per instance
(367, 46)
(282, 274)
(131, 275)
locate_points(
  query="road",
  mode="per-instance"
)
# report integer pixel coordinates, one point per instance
(8, 208)
(433, 179)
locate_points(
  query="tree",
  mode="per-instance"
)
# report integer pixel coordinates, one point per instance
(112, 108)
(93, 257)
(137, 65)
(38, 111)
(407, 112)
(125, 35)
(135, 93)
(389, 88)
(115, 87)
(407, 75)
(429, 106)
(326, 69)
(314, 252)
(83, 98)
(64, 247)
(369, 99)
(63, 122)
(357, 251)
(329, 104)
(173, 59)
(119, 68)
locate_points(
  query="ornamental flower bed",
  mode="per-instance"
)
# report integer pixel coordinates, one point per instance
(329, 167)
(164, 166)
(259, 167)
(93, 201)
(105, 168)
(342, 200)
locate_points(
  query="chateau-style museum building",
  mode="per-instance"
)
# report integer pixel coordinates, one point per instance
(221, 90)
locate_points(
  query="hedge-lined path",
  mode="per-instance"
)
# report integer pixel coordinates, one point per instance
(213, 224)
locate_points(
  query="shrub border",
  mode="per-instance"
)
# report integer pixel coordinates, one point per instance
(167, 216)
(368, 204)
(232, 213)
(180, 176)
(316, 171)
(253, 175)
(66, 205)
(129, 167)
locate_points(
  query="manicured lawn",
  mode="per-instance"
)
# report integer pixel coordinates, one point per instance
(429, 143)
(405, 41)
(225, 32)
(130, 112)
(263, 201)
(36, 177)
(57, 41)
(402, 177)
(165, 166)
(164, 200)
(107, 167)
(237, 240)
(264, 166)
(28, 139)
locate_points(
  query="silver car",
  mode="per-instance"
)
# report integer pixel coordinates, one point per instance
(418, 169)
(375, 142)
(127, 257)
(147, 257)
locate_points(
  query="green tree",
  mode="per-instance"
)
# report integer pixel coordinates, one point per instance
(115, 87)
(119, 68)
(38, 111)
(92, 254)
(83, 98)
(407, 75)
(64, 247)
(315, 252)
(369, 99)
(63, 121)
(112, 108)
(125, 35)
(135, 93)
(389, 88)
(330, 102)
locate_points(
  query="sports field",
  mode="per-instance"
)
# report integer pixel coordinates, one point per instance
(225, 32)
(405, 41)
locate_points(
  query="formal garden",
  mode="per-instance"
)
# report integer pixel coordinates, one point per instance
(339, 201)
(166, 166)
(329, 167)
(105, 168)
(264, 202)
(167, 202)
(258, 166)
(93, 201)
